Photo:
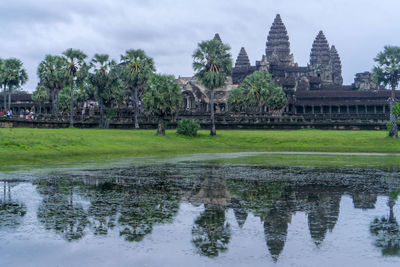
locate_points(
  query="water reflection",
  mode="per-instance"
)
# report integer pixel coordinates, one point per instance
(132, 201)
(11, 211)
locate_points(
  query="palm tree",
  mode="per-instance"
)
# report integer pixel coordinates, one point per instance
(3, 84)
(54, 77)
(40, 96)
(14, 76)
(136, 69)
(105, 82)
(162, 97)
(387, 72)
(212, 64)
(76, 67)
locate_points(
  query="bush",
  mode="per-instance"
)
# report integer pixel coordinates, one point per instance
(188, 127)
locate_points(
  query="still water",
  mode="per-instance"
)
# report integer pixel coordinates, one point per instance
(201, 215)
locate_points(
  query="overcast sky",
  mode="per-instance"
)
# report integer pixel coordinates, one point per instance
(169, 30)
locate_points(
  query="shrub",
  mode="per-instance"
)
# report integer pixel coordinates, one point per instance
(188, 127)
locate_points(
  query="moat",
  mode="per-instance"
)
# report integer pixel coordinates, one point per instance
(202, 214)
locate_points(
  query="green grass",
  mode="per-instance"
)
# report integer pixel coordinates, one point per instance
(23, 146)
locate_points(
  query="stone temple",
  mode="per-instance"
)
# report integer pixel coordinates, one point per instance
(313, 89)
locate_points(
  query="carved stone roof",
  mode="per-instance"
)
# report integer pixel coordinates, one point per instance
(320, 51)
(242, 59)
(278, 40)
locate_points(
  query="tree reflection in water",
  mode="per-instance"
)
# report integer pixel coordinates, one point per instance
(387, 231)
(11, 211)
(133, 204)
(132, 201)
(58, 211)
(211, 233)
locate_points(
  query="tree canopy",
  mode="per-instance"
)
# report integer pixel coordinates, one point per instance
(162, 97)
(387, 72)
(256, 90)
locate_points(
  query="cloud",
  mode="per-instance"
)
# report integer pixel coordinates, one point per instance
(169, 30)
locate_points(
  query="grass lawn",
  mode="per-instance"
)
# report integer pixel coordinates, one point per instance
(25, 146)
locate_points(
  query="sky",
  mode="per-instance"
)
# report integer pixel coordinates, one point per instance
(169, 30)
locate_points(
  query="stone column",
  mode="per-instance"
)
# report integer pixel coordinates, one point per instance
(366, 109)
(312, 109)
(348, 109)
(384, 109)
(321, 109)
(304, 109)
(330, 109)
(374, 109)
(339, 109)
(356, 109)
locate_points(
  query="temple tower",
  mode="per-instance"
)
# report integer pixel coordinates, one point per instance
(242, 59)
(217, 37)
(320, 59)
(336, 65)
(277, 50)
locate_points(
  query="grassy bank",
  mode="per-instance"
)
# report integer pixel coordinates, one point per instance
(21, 146)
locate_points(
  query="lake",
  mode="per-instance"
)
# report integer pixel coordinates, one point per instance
(194, 214)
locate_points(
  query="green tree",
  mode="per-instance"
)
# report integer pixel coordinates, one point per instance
(54, 77)
(162, 98)
(212, 63)
(77, 70)
(136, 69)
(387, 72)
(3, 83)
(237, 99)
(258, 89)
(14, 76)
(105, 82)
(40, 96)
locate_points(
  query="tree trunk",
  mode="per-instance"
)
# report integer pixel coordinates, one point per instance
(161, 129)
(5, 98)
(393, 130)
(9, 99)
(71, 108)
(57, 92)
(40, 108)
(101, 115)
(213, 131)
(52, 102)
(136, 108)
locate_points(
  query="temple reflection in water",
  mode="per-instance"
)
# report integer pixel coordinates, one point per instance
(132, 201)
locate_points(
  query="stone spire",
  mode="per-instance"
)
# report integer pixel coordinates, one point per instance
(242, 59)
(216, 37)
(278, 45)
(336, 66)
(320, 51)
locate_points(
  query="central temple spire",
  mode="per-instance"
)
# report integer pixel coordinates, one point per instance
(320, 51)
(278, 45)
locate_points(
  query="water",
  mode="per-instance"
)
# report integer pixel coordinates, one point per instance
(200, 215)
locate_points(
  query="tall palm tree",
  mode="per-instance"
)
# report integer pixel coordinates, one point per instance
(136, 69)
(14, 76)
(3, 83)
(387, 72)
(105, 82)
(212, 63)
(76, 67)
(54, 77)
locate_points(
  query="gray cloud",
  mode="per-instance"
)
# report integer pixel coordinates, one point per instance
(169, 30)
